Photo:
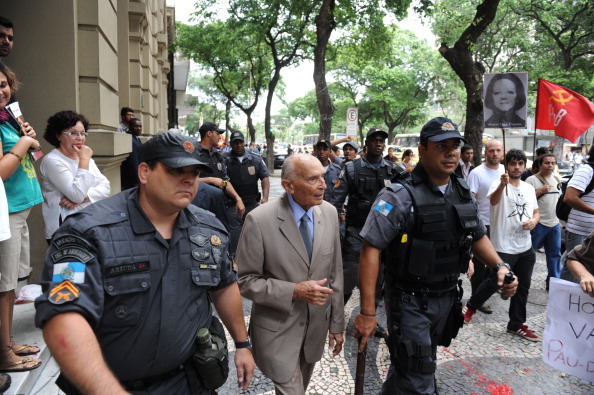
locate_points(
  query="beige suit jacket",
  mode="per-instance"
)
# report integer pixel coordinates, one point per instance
(271, 259)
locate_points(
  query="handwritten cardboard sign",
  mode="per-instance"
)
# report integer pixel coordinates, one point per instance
(568, 341)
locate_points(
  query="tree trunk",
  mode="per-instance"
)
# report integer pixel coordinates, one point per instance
(267, 124)
(227, 120)
(251, 128)
(471, 73)
(325, 24)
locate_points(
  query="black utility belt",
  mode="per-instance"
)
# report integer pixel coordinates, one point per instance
(425, 291)
(140, 384)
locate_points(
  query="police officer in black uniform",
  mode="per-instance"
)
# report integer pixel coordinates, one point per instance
(207, 152)
(426, 221)
(244, 170)
(360, 180)
(128, 282)
(332, 170)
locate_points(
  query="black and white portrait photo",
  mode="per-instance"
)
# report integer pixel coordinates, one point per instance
(505, 100)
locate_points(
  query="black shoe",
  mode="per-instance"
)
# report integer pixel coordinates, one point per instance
(485, 309)
(380, 332)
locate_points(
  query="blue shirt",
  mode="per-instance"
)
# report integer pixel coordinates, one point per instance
(298, 212)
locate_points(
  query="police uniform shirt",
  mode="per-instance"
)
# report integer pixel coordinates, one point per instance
(214, 158)
(249, 159)
(389, 215)
(145, 297)
(331, 177)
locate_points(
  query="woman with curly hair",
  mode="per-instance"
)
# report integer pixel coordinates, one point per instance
(70, 179)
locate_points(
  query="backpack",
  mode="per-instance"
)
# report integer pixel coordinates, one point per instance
(563, 209)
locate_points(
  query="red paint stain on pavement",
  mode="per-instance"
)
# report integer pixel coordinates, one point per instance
(493, 387)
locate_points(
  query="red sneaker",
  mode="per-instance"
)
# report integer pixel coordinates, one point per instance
(524, 332)
(467, 313)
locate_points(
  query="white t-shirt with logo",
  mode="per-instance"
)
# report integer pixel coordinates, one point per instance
(515, 207)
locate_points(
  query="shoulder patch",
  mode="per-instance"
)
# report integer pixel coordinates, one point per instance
(70, 240)
(73, 271)
(65, 292)
(383, 208)
(72, 252)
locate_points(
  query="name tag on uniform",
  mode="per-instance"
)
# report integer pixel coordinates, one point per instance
(387, 183)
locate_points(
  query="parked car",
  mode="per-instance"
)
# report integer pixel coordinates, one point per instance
(279, 158)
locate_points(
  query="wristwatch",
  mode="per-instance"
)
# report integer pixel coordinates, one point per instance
(503, 264)
(245, 344)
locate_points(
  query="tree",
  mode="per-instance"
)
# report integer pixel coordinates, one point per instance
(240, 66)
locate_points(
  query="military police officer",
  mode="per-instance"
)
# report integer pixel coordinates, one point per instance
(244, 170)
(129, 281)
(331, 169)
(208, 152)
(361, 180)
(426, 222)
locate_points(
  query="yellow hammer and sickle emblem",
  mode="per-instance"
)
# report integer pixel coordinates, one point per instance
(561, 99)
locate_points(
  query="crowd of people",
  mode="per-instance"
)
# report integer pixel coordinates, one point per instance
(131, 279)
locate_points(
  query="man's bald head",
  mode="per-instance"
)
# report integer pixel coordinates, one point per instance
(303, 178)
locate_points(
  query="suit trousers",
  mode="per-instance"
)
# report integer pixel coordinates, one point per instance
(300, 380)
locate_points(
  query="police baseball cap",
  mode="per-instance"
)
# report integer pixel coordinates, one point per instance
(237, 135)
(439, 129)
(352, 144)
(173, 150)
(325, 143)
(374, 131)
(209, 126)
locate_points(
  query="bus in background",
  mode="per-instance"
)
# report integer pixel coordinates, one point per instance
(405, 141)
(309, 140)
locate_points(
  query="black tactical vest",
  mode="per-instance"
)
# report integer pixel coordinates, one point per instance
(244, 177)
(215, 161)
(435, 248)
(368, 182)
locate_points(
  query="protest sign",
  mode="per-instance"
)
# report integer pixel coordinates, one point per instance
(568, 341)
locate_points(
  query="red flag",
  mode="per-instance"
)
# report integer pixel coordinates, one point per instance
(568, 113)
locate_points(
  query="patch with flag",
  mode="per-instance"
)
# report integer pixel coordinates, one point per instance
(384, 208)
(72, 271)
(560, 109)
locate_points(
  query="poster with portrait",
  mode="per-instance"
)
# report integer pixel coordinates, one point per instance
(504, 100)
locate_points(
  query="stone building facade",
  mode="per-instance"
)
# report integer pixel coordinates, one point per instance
(92, 57)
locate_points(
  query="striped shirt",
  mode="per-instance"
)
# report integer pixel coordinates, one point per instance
(579, 222)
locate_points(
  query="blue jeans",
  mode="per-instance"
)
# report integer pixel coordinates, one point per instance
(550, 237)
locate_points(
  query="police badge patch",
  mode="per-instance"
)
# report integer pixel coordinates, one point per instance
(252, 170)
(199, 239)
(215, 240)
(200, 254)
(216, 255)
(220, 166)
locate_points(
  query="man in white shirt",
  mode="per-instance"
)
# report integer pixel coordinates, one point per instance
(581, 218)
(548, 230)
(514, 213)
(479, 181)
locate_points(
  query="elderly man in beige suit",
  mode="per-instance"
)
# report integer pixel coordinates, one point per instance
(289, 265)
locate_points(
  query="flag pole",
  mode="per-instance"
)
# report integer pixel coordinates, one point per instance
(504, 154)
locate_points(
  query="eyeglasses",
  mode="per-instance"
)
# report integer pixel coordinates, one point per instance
(73, 134)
